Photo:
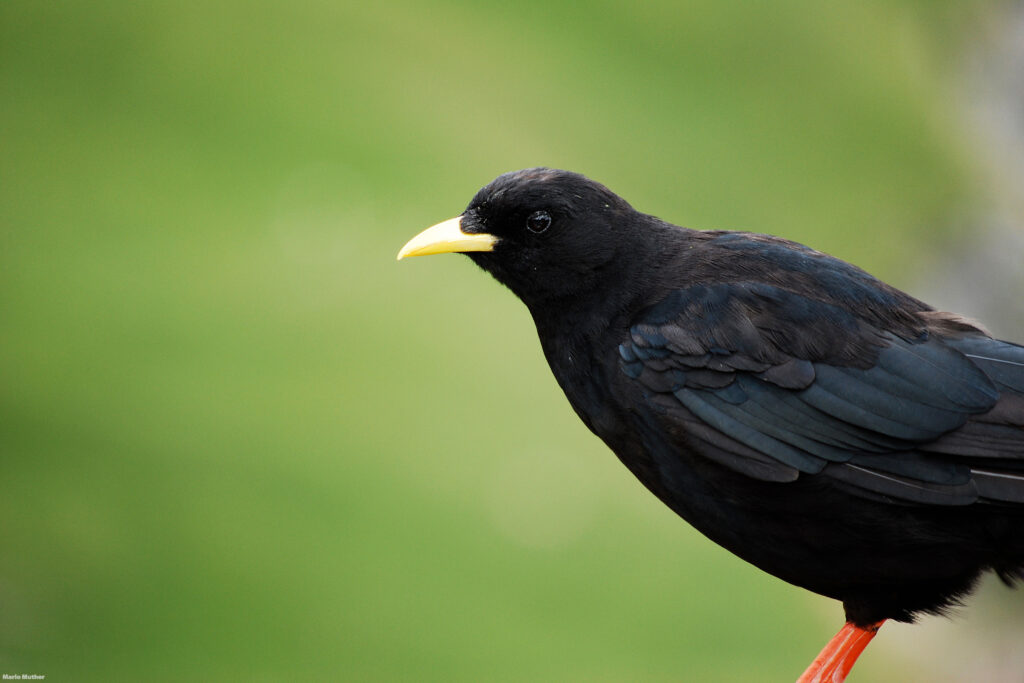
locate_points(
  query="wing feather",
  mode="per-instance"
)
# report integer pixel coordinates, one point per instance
(755, 374)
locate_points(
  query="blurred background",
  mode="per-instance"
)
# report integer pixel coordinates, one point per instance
(239, 442)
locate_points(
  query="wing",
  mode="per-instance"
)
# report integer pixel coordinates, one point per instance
(776, 385)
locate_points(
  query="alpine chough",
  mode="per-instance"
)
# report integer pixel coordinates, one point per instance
(815, 421)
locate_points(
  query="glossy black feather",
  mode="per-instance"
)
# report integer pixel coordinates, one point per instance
(817, 422)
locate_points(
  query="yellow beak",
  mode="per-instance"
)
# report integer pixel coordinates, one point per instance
(445, 238)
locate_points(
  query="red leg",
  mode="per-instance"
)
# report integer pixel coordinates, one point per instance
(839, 656)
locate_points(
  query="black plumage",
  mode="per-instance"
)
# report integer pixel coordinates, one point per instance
(830, 429)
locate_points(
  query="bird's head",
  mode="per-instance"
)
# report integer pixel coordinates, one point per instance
(544, 233)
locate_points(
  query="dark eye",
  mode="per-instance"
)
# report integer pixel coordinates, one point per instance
(538, 221)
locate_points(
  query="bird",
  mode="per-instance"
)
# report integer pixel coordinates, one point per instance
(813, 420)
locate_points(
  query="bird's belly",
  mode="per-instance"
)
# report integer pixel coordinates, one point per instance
(814, 535)
(882, 559)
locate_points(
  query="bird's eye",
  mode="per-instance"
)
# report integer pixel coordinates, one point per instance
(538, 221)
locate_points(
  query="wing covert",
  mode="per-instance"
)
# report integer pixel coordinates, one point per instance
(814, 389)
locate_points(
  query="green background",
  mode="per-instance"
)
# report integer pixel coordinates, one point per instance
(239, 442)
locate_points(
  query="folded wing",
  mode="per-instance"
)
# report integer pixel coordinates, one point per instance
(776, 385)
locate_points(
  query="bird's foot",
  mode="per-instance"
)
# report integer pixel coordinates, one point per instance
(837, 658)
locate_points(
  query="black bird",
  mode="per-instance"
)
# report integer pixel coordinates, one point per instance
(815, 421)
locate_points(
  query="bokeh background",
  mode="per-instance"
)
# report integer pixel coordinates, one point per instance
(239, 442)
